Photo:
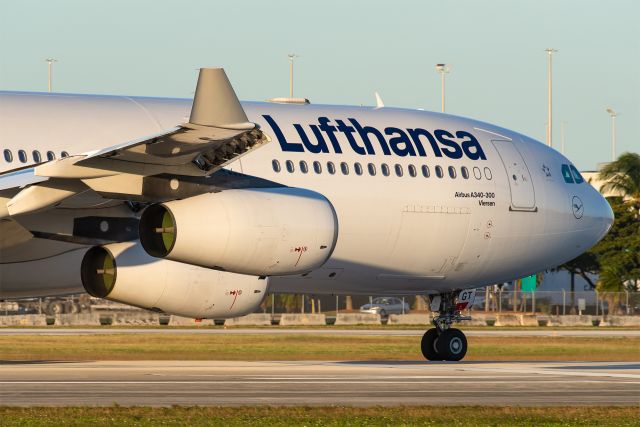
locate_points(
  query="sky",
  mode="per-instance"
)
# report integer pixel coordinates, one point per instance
(348, 50)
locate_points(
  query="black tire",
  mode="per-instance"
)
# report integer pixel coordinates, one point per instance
(428, 345)
(383, 314)
(452, 345)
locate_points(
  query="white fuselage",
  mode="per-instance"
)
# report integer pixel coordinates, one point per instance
(489, 218)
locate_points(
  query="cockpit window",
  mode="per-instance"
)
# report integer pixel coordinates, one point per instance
(576, 175)
(566, 174)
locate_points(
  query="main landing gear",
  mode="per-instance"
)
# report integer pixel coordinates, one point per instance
(444, 342)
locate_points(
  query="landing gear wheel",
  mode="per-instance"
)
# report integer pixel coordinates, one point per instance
(428, 345)
(451, 345)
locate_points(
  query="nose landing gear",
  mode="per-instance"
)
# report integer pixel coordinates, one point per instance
(444, 342)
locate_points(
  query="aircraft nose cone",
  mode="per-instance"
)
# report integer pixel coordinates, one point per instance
(601, 214)
(607, 214)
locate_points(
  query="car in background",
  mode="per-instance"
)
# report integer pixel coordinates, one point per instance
(384, 306)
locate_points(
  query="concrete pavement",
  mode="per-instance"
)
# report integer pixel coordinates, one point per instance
(161, 383)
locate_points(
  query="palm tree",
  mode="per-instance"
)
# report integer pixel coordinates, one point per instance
(620, 245)
(623, 176)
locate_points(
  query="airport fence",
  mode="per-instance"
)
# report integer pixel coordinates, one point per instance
(491, 300)
(559, 302)
(554, 303)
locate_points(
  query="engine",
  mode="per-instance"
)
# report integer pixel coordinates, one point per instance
(261, 232)
(124, 272)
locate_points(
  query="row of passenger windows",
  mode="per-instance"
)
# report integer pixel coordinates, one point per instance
(35, 156)
(385, 169)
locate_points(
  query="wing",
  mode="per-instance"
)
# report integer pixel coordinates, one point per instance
(217, 133)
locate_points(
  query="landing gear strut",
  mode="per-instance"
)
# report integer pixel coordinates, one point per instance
(444, 342)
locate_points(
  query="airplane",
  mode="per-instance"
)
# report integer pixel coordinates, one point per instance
(200, 207)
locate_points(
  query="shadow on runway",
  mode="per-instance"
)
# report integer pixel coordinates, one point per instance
(426, 362)
(34, 362)
(601, 365)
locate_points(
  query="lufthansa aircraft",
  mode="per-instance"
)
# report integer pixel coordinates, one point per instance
(200, 207)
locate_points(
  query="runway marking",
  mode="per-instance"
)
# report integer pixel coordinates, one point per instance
(141, 382)
(556, 372)
(356, 377)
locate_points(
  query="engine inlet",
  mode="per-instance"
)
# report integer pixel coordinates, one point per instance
(157, 231)
(98, 272)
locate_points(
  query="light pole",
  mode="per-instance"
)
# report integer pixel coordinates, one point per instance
(442, 69)
(550, 52)
(613, 115)
(50, 62)
(291, 57)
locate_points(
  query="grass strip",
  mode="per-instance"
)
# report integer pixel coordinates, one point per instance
(321, 416)
(259, 347)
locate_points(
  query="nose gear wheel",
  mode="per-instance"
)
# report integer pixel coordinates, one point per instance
(444, 342)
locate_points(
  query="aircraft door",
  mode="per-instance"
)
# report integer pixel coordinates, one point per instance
(523, 196)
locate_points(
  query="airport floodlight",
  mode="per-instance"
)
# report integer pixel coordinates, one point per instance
(550, 52)
(50, 62)
(613, 114)
(442, 69)
(562, 139)
(291, 57)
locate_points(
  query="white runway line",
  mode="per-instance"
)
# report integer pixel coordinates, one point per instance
(19, 382)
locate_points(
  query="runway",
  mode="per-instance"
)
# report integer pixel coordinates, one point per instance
(160, 383)
(506, 332)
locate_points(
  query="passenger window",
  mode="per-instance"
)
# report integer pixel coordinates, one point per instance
(399, 171)
(566, 174)
(358, 168)
(487, 173)
(331, 168)
(439, 173)
(465, 172)
(372, 169)
(51, 155)
(303, 166)
(8, 156)
(412, 171)
(64, 154)
(317, 167)
(36, 156)
(425, 171)
(385, 169)
(452, 172)
(476, 172)
(344, 168)
(576, 175)
(22, 155)
(290, 167)
(275, 165)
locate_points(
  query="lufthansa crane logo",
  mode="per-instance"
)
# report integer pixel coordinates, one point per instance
(577, 207)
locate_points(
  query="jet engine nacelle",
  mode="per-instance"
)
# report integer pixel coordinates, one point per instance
(262, 232)
(124, 272)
